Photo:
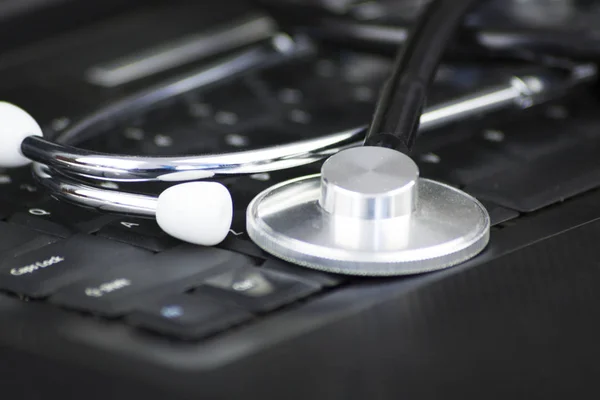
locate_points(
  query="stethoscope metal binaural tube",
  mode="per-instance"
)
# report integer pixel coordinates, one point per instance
(72, 191)
(60, 178)
(520, 91)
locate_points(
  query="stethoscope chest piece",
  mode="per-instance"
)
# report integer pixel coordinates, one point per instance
(368, 213)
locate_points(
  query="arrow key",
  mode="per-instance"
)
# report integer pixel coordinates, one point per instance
(188, 317)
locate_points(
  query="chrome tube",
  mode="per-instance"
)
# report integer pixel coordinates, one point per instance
(105, 200)
(519, 91)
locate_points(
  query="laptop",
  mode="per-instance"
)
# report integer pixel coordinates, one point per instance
(102, 306)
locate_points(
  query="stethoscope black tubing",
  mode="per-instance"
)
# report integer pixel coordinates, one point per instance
(396, 119)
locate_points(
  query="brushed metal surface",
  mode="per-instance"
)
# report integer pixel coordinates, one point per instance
(447, 227)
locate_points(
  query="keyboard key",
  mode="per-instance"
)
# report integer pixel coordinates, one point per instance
(255, 289)
(59, 218)
(463, 163)
(317, 277)
(303, 83)
(139, 232)
(259, 135)
(76, 218)
(41, 272)
(18, 187)
(233, 107)
(499, 214)
(117, 290)
(12, 236)
(188, 317)
(536, 137)
(40, 222)
(174, 135)
(243, 245)
(544, 181)
(316, 120)
(37, 243)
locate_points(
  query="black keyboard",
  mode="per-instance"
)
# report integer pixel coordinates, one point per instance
(109, 305)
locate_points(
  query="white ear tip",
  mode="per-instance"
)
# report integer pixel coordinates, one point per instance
(196, 212)
(15, 125)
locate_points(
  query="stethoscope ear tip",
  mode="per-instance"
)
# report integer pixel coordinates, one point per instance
(196, 212)
(15, 125)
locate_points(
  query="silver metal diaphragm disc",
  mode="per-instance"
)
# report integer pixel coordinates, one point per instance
(446, 228)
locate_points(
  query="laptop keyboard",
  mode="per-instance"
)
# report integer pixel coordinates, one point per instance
(126, 269)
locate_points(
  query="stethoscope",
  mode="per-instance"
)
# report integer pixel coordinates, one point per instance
(367, 213)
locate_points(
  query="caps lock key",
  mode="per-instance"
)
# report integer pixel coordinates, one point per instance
(41, 272)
